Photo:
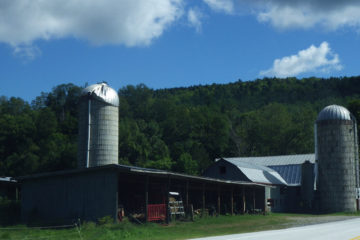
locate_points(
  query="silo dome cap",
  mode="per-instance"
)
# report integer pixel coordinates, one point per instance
(334, 112)
(102, 92)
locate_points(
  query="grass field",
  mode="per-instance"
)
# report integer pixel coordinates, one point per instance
(202, 227)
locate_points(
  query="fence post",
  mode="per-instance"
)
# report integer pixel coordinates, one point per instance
(78, 227)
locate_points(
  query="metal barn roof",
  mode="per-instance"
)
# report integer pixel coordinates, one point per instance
(287, 166)
(7, 179)
(290, 173)
(276, 160)
(136, 170)
(257, 173)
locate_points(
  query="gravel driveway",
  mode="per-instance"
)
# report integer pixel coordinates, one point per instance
(302, 221)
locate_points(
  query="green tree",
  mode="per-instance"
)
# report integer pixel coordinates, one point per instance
(186, 164)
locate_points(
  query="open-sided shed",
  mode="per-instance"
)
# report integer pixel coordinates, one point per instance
(91, 193)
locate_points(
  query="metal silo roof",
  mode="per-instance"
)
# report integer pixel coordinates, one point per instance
(334, 112)
(103, 92)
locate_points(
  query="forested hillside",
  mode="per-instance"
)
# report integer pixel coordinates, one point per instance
(179, 129)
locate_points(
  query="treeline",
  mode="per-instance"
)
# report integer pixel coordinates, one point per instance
(178, 129)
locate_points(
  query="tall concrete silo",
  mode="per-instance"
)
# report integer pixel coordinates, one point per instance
(336, 154)
(98, 126)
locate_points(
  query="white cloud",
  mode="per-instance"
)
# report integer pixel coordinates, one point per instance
(221, 5)
(194, 18)
(303, 14)
(288, 17)
(312, 59)
(127, 22)
(308, 16)
(27, 52)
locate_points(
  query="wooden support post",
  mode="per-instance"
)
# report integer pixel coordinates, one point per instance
(187, 194)
(167, 188)
(187, 207)
(218, 202)
(203, 200)
(265, 201)
(146, 197)
(17, 194)
(232, 201)
(243, 200)
(117, 218)
(254, 199)
(191, 210)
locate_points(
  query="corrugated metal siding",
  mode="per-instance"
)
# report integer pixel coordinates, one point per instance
(63, 199)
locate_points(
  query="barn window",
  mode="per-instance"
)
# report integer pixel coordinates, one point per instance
(222, 169)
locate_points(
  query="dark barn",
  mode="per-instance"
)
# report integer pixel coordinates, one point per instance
(293, 178)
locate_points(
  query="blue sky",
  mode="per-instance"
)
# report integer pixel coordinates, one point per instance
(173, 43)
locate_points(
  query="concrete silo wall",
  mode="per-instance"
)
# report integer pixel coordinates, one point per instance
(336, 165)
(83, 133)
(104, 133)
